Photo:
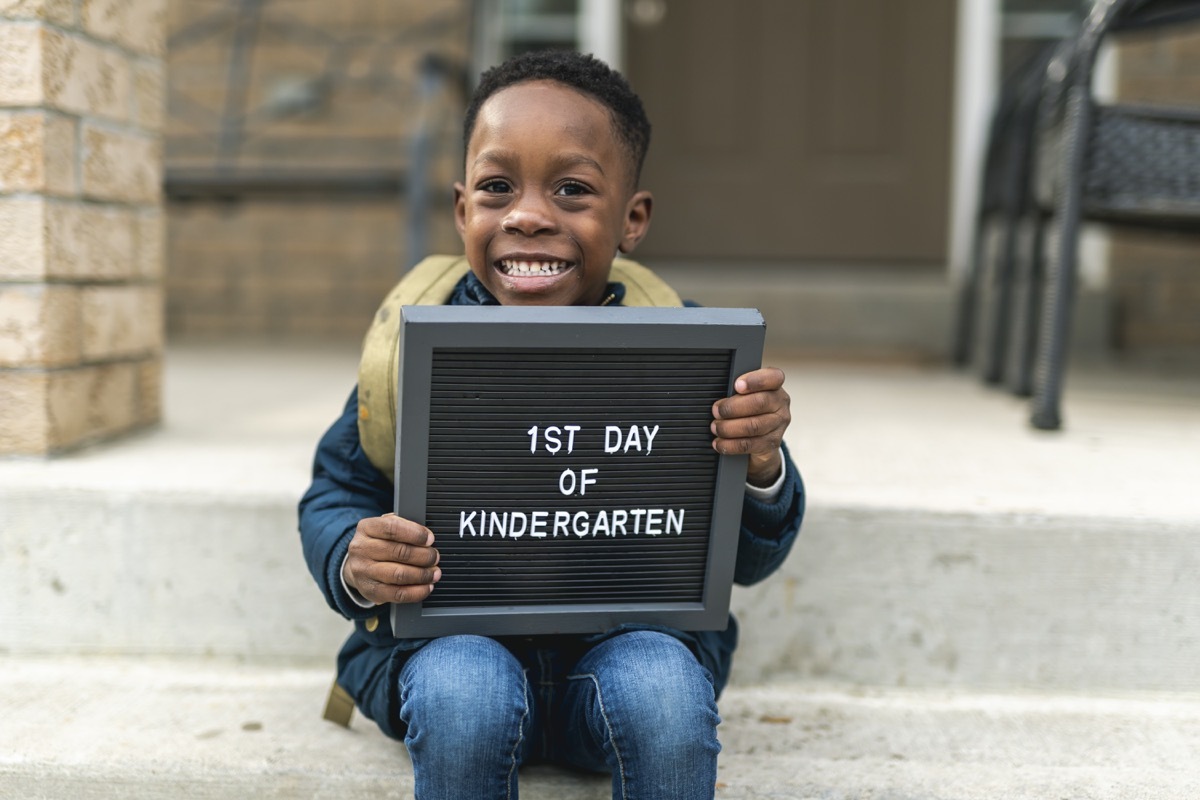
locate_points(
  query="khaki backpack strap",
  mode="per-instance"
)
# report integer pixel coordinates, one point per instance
(642, 287)
(339, 706)
(429, 283)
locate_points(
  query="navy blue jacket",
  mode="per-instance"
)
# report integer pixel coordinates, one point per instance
(346, 488)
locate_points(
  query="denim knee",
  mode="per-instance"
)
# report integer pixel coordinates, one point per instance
(650, 711)
(465, 703)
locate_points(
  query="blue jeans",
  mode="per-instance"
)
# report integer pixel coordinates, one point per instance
(637, 705)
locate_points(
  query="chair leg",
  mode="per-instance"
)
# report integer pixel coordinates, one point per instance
(1059, 291)
(1028, 282)
(1001, 301)
(1053, 335)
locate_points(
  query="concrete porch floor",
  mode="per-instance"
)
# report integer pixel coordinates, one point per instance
(976, 609)
(98, 729)
(244, 418)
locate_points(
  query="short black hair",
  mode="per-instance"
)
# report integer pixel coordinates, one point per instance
(578, 71)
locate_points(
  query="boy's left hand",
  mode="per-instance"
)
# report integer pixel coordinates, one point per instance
(753, 421)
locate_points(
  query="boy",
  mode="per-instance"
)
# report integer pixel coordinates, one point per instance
(554, 148)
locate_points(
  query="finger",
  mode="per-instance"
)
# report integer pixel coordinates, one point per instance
(381, 573)
(396, 529)
(410, 594)
(770, 426)
(765, 379)
(749, 405)
(732, 447)
(380, 593)
(388, 551)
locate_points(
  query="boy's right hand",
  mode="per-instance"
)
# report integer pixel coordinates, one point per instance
(392, 560)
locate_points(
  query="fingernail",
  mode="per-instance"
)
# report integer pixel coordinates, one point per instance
(429, 540)
(437, 575)
(740, 385)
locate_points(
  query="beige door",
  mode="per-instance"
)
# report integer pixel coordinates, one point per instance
(797, 130)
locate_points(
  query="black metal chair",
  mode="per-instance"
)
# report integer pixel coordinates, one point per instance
(1119, 164)
(982, 327)
(1116, 163)
(1036, 208)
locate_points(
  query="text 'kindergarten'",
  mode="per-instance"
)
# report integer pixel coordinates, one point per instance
(553, 524)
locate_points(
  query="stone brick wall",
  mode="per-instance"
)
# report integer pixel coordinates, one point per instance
(1155, 278)
(274, 268)
(283, 266)
(81, 221)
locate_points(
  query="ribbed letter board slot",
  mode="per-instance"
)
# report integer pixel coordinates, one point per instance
(563, 459)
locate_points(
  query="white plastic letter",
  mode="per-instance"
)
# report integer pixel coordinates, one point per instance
(571, 430)
(584, 482)
(650, 434)
(612, 438)
(532, 434)
(633, 441)
(562, 482)
(537, 527)
(466, 523)
(553, 443)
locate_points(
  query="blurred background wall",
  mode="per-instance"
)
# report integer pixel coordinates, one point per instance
(807, 156)
(288, 152)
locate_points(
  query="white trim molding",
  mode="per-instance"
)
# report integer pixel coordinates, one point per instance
(600, 31)
(976, 65)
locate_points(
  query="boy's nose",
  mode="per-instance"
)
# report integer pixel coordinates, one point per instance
(528, 216)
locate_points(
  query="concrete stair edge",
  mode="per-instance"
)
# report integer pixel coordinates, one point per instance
(879, 596)
(99, 728)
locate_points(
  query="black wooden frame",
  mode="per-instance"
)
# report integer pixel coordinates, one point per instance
(425, 329)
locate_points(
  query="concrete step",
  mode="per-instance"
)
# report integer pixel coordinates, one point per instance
(946, 544)
(872, 596)
(107, 728)
(892, 311)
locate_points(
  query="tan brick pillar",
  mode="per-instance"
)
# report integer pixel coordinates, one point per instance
(81, 220)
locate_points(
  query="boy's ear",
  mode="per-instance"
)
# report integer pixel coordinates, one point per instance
(460, 207)
(637, 220)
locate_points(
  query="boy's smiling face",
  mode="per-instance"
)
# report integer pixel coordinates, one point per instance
(548, 198)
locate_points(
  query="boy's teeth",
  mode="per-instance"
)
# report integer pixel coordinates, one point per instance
(533, 267)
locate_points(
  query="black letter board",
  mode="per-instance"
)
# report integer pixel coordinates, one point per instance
(563, 459)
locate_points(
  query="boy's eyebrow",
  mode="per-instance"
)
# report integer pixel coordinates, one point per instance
(574, 159)
(505, 157)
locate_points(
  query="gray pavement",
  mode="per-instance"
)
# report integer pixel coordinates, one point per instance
(119, 728)
(242, 420)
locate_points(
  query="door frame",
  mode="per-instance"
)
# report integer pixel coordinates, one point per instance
(976, 64)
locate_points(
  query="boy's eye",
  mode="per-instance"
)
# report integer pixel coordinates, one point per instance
(496, 187)
(572, 189)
